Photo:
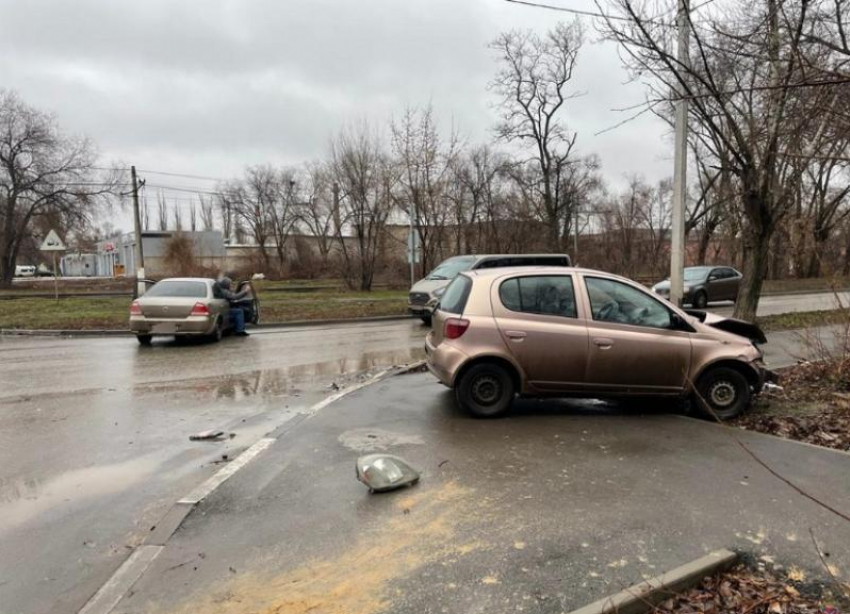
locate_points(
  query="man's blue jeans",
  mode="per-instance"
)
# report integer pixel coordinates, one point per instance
(237, 319)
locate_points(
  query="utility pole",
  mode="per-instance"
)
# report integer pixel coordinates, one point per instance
(574, 258)
(680, 165)
(139, 255)
(411, 243)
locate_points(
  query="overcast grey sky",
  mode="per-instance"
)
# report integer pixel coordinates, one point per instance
(206, 87)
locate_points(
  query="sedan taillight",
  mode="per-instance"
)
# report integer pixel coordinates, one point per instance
(200, 310)
(135, 309)
(455, 327)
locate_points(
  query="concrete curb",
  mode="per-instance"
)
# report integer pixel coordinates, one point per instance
(642, 597)
(126, 333)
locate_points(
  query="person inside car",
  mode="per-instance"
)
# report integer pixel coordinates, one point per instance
(236, 313)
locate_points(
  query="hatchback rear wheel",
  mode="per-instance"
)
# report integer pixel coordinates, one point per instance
(723, 393)
(485, 390)
(144, 339)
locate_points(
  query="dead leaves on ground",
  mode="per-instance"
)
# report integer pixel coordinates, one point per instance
(824, 385)
(743, 591)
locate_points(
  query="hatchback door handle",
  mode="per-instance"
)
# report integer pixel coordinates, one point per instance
(515, 334)
(603, 342)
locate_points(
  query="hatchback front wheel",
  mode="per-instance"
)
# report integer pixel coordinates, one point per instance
(486, 390)
(723, 393)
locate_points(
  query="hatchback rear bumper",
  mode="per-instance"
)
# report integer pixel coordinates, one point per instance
(443, 361)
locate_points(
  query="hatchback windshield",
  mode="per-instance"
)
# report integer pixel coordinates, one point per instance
(179, 289)
(449, 269)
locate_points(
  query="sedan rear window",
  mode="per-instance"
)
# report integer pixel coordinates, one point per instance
(179, 289)
(545, 294)
(455, 296)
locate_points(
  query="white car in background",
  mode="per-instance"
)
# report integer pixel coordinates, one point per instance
(24, 270)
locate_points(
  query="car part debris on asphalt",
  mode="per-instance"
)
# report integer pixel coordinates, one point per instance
(383, 472)
(212, 435)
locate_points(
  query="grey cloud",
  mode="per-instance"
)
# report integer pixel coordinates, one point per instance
(243, 80)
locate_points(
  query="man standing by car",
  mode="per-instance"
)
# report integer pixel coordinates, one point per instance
(236, 313)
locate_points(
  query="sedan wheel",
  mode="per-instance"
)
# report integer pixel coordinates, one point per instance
(486, 390)
(145, 339)
(723, 393)
(218, 331)
(700, 300)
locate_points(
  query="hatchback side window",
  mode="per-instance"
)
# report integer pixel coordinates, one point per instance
(614, 301)
(551, 295)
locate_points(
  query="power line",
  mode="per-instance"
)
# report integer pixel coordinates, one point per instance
(170, 174)
(182, 189)
(564, 9)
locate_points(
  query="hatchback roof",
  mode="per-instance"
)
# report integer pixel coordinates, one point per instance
(560, 270)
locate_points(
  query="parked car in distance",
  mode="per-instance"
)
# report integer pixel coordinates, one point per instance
(566, 332)
(24, 270)
(704, 285)
(425, 292)
(186, 307)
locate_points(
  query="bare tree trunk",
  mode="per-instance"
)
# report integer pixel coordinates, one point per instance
(756, 253)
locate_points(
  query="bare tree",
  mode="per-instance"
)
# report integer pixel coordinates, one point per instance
(426, 170)
(207, 212)
(162, 209)
(532, 82)
(317, 211)
(284, 209)
(363, 172)
(251, 200)
(225, 211)
(193, 217)
(177, 214)
(743, 84)
(42, 172)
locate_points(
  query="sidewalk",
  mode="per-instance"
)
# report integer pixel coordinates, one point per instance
(543, 511)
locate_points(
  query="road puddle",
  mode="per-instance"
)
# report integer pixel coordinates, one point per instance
(284, 381)
(23, 499)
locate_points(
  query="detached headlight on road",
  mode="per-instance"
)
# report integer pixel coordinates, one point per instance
(382, 472)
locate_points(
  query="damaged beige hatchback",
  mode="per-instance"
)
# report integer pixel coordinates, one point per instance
(566, 332)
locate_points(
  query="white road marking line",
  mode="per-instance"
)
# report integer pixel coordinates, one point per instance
(108, 596)
(227, 471)
(105, 600)
(346, 391)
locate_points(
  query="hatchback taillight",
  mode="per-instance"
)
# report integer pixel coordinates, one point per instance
(135, 309)
(200, 310)
(455, 327)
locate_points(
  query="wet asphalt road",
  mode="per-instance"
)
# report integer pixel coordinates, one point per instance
(94, 433)
(543, 511)
(94, 437)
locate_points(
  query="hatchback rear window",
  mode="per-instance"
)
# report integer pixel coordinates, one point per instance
(545, 294)
(456, 294)
(179, 289)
